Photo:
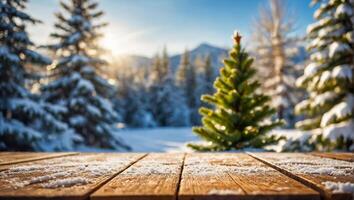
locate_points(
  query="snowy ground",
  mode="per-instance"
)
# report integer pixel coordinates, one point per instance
(158, 139)
(175, 139)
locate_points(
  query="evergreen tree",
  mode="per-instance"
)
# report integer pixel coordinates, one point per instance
(77, 85)
(26, 123)
(276, 48)
(209, 76)
(132, 97)
(329, 76)
(238, 119)
(186, 79)
(168, 104)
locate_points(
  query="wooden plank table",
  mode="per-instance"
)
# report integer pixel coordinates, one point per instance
(190, 176)
(319, 173)
(7, 158)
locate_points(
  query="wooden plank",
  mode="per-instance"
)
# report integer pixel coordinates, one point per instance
(237, 175)
(338, 156)
(205, 176)
(315, 172)
(154, 177)
(66, 178)
(261, 181)
(7, 158)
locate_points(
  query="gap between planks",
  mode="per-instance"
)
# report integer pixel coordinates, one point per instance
(156, 176)
(180, 176)
(338, 156)
(287, 173)
(81, 192)
(237, 176)
(314, 181)
(114, 175)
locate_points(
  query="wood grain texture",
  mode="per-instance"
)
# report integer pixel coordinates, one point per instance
(205, 176)
(72, 177)
(248, 179)
(313, 171)
(259, 180)
(154, 177)
(7, 158)
(338, 156)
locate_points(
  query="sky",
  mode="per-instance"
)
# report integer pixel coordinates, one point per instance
(143, 27)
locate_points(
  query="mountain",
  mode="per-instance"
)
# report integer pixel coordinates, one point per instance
(135, 61)
(204, 49)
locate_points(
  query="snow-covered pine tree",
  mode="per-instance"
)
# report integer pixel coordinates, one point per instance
(133, 97)
(238, 119)
(26, 123)
(186, 80)
(275, 49)
(77, 85)
(329, 76)
(168, 104)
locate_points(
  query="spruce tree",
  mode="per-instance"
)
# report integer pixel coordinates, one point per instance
(186, 79)
(209, 76)
(238, 119)
(168, 104)
(76, 83)
(134, 100)
(329, 76)
(26, 123)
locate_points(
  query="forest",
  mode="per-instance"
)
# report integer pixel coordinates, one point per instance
(68, 95)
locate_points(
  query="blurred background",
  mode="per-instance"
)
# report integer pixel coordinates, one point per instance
(128, 75)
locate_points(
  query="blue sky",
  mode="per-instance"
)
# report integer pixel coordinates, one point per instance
(144, 26)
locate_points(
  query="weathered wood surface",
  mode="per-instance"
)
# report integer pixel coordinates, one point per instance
(7, 158)
(315, 172)
(236, 175)
(154, 177)
(191, 176)
(204, 177)
(72, 177)
(338, 156)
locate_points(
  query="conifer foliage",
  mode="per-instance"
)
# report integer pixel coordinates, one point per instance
(25, 122)
(186, 80)
(238, 118)
(77, 85)
(167, 102)
(329, 76)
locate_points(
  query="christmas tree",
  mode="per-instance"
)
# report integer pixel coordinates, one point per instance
(238, 119)
(77, 84)
(26, 123)
(329, 76)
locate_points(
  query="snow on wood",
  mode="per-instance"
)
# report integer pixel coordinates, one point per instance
(153, 176)
(306, 164)
(67, 182)
(66, 171)
(339, 187)
(225, 192)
